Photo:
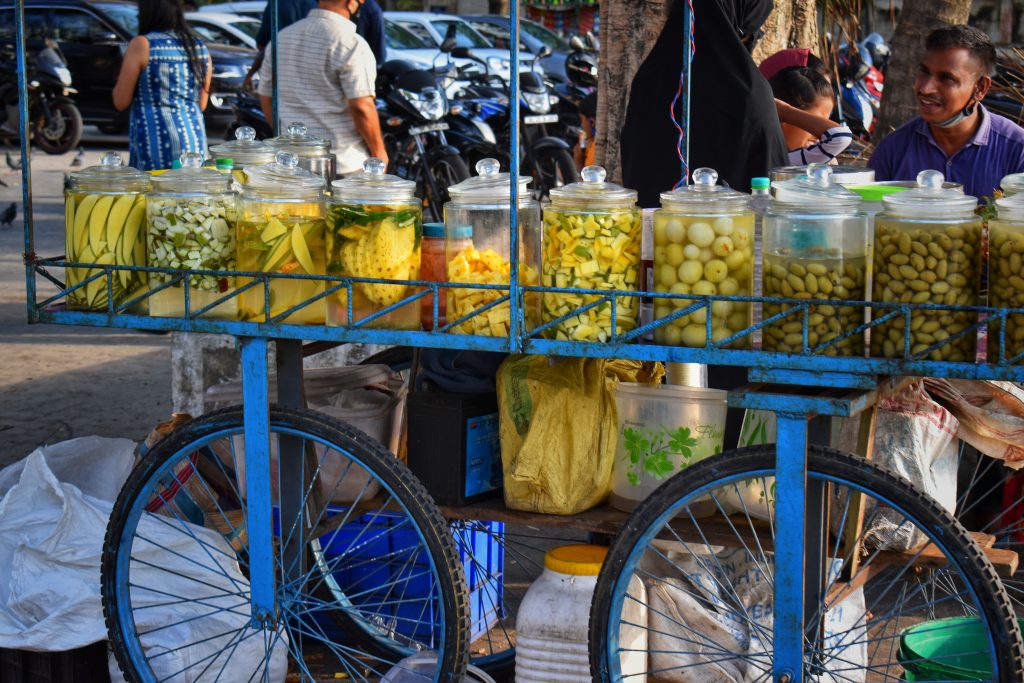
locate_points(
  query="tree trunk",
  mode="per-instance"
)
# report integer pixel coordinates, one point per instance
(918, 18)
(792, 23)
(629, 29)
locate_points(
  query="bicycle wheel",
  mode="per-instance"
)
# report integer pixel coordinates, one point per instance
(687, 589)
(366, 553)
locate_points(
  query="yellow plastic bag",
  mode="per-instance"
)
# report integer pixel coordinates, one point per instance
(558, 428)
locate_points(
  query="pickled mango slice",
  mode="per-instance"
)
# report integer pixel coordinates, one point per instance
(488, 268)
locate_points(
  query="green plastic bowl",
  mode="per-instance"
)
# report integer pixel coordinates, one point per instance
(925, 655)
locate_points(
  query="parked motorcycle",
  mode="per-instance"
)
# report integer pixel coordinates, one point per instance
(55, 124)
(860, 90)
(246, 106)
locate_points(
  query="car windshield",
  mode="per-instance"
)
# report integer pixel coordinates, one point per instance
(124, 14)
(247, 26)
(400, 38)
(465, 36)
(556, 42)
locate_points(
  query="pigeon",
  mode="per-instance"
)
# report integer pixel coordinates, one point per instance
(10, 161)
(9, 214)
(79, 158)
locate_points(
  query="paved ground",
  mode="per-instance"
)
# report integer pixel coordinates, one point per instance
(59, 382)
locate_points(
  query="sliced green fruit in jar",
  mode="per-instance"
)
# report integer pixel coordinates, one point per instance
(301, 250)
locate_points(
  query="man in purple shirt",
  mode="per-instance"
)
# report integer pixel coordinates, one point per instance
(954, 134)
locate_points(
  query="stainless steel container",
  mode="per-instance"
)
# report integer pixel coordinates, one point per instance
(314, 153)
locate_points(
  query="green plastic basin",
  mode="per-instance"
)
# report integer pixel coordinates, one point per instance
(954, 649)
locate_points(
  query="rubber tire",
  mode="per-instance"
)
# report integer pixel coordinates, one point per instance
(72, 130)
(559, 161)
(917, 506)
(454, 171)
(389, 469)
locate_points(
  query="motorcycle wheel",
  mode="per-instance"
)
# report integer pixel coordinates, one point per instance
(445, 171)
(63, 132)
(553, 168)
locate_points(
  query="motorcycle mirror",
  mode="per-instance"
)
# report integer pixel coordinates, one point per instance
(544, 51)
(448, 44)
(577, 43)
(595, 44)
(461, 51)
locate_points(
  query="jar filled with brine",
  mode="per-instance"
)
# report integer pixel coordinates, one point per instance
(1006, 277)
(815, 247)
(190, 218)
(703, 245)
(374, 227)
(592, 232)
(927, 251)
(478, 223)
(281, 231)
(244, 151)
(104, 223)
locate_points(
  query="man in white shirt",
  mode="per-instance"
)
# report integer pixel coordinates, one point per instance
(327, 73)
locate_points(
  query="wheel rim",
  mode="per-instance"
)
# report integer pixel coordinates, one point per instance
(300, 627)
(56, 128)
(868, 644)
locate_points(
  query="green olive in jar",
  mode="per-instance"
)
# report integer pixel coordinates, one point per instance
(1006, 278)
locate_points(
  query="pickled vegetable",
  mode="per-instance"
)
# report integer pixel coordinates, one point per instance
(104, 229)
(194, 234)
(486, 267)
(830, 277)
(374, 241)
(703, 255)
(927, 264)
(1006, 287)
(591, 251)
(290, 241)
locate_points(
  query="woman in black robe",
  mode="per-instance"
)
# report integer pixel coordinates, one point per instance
(734, 127)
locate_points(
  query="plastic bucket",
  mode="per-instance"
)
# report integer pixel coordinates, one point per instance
(925, 650)
(662, 430)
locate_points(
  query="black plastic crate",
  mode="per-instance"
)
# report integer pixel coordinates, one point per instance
(85, 665)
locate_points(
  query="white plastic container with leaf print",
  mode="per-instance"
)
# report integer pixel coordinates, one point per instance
(663, 429)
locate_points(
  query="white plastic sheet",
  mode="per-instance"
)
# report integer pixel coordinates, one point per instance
(51, 539)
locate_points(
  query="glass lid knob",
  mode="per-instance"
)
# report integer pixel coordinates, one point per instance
(191, 160)
(705, 178)
(375, 166)
(245, 133)
(488, 167)
(288, 160)
(111, 159)
(820, 174)
(930, 180)
(296, 129)
(593, 174)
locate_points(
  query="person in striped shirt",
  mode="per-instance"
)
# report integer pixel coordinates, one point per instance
(804, 100)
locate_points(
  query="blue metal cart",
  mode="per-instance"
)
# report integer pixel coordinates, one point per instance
(234, 545)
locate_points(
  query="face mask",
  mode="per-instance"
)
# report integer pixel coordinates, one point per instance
(961, 115)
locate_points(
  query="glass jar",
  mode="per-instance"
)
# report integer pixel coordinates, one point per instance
(477, 223)
(314, 153)
(190, 219)
(841, 175)
(244, 151)
(433, 268)
(281, 230)
(1006, 275)
(104, 216)
(927, 251)
(703, 244)
(1012, 184)
(815, 247)
(374, 226)
(592, 232)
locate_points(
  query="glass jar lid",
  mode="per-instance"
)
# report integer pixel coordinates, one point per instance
(1013, 183)
(705, 196)
(111, 176)
(1011, 208)
(283, 178)
(593, 192)
(298, 141)
(930, 199)
(489, 186)
(817, 190)
(245, 149)
(373, 185)
(192, 178)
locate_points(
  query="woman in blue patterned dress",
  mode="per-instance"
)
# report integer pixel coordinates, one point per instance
(165, 79)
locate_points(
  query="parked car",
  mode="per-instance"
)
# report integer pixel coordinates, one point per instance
(247, 8)
(93, 35)
(432, 28)
(236, 30)
(532, 37)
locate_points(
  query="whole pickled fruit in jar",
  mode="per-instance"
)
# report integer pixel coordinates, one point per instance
(927, 263)
(1006, 288)
(831, 277)
(703, 255)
